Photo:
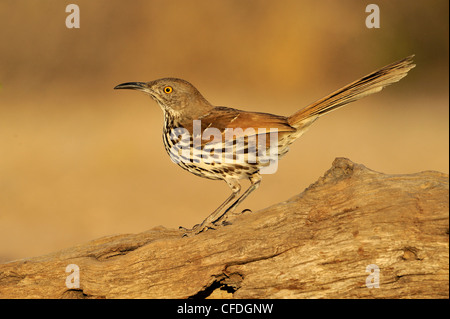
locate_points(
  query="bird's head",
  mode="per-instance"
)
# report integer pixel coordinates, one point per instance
(173, 95)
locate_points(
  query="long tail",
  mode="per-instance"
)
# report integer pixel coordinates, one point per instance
(371, 83)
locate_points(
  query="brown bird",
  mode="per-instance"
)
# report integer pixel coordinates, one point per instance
(223, 143)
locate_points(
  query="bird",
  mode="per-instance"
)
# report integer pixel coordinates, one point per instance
(224, 143)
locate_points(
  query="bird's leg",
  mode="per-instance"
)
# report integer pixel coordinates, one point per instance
(217, 214)
(255, 180)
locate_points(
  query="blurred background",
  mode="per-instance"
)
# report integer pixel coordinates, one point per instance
(79, 160)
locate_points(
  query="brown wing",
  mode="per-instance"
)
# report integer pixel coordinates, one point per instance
(243, 123)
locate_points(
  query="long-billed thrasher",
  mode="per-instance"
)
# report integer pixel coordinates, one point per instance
(223, 143)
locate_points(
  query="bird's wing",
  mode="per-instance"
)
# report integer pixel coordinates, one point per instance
(233, 123)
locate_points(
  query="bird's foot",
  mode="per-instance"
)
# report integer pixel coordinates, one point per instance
(245, 211)
(197, 229)
(228, 219)
(222, 221)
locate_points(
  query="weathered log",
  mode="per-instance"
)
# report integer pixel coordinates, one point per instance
(317, 244)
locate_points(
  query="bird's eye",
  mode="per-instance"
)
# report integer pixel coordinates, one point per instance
(168, 89)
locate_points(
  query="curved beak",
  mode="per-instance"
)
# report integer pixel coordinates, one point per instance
(140, 86)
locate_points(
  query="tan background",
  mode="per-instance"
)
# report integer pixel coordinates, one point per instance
(79, 160)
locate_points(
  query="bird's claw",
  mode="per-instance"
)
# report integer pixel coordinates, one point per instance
(197, 229)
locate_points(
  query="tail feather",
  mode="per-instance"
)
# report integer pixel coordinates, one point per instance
(371, 83)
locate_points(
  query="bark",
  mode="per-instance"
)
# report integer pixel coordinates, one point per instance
(317, 244)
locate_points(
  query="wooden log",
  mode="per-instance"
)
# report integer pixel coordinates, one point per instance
(348, 233)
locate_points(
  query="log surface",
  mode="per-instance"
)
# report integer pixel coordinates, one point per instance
(317, 244)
